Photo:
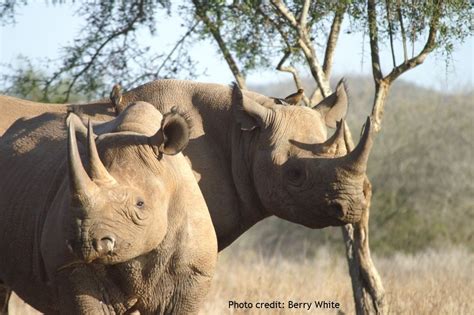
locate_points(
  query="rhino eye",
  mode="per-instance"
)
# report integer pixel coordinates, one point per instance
(295, 175)
(140, 204)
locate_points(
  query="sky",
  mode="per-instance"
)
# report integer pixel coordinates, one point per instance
(42, 29)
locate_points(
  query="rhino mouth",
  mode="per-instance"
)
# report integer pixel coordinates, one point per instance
(351, 217)
(86, 252)
(320, 221)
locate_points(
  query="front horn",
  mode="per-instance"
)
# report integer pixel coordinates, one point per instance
(80, 185)
(356, 161)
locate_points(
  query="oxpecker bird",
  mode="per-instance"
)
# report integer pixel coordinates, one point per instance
(295, 98)
(116, 96)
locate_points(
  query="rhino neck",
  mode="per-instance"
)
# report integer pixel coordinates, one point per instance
(250, 209)
(242, 207)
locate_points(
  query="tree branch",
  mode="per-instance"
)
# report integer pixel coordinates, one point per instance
(331, 45)
(304, 15)
(332, 40)
(280, 67)
(402, 29)
(87, 65)
(306, 46)
(284, 12)
(178, 43)
(214, 30)
(284, 35)
(390, 31)
(428, 48)
(374, 41)
(294, 72)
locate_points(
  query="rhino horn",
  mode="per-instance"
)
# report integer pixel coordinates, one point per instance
(356, 161)
(81, 186)
(98, 172)
(335, 144)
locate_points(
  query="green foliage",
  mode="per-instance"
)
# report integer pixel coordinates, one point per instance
(8, 10)
(455, 22)
(108, 49)
(258, 36)
(255, 34)
(28, 82)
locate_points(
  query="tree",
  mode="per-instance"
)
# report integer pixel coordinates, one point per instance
(108, 47)
(282, 34)
(29, 82)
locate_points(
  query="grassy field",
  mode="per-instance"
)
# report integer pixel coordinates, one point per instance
(429, 282)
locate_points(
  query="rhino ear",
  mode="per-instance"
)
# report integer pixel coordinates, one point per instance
(173, 135)
(248, 113)
(334, 107)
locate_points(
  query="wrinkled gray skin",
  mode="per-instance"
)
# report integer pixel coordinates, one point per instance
(104, 224)
(254, 157)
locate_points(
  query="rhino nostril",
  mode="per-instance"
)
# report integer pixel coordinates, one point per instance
(338, 210)
(105, 245)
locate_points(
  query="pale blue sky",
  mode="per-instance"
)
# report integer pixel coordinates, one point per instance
(42, 29)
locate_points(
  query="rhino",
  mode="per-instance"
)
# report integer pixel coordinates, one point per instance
(255, 156)
(109, 222)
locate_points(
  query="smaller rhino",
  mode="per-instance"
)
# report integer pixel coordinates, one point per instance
(108, 223)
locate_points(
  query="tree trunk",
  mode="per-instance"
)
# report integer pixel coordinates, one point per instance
(381, 92)
(367, 287)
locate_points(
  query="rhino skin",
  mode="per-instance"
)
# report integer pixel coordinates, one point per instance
(109, 223)
(12, 109)
(255, 157)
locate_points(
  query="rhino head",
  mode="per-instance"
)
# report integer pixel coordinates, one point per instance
(298, 173)
(119, 202)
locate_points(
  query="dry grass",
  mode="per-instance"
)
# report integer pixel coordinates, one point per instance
(425, 283)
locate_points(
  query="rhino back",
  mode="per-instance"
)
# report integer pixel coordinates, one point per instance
(12, 109)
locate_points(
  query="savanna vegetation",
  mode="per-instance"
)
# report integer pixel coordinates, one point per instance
(420, 171)
(425, 283)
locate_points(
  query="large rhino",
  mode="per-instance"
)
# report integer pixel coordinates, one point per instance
(127, 231)
(254, 157)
